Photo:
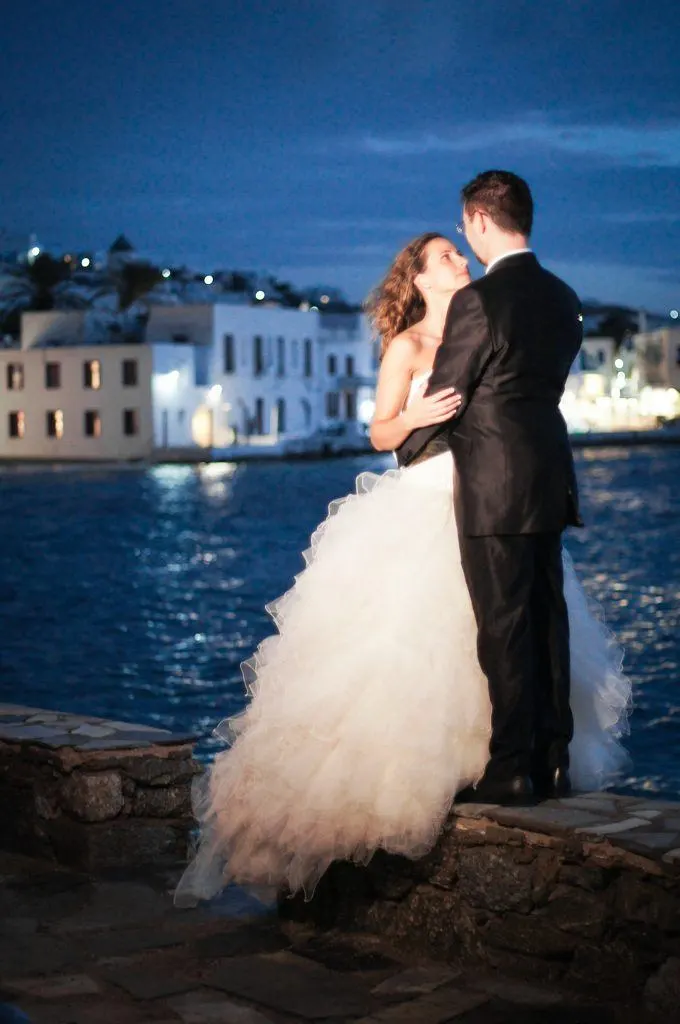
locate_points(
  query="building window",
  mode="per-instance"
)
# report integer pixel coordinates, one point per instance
(181, 416)
(332, 366)
(17, 424)
(52, 375)
(350, 405)
(308, 358)
(92, 374)
(294, 355)
(180, 339)
(258, 427)
(130, 422)
(93, 423)
(15, 376)
(332, 405)
(130, 373)
(229, 354)
(677, 355)
(349, 366)
(258, 356)
(55, 423)
(281, 416)
(280, 357)
(601, 356)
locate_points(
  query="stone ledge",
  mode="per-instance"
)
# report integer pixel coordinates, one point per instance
(92, 793)
(584, 892)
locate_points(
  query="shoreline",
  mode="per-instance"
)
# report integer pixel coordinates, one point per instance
(189, 457)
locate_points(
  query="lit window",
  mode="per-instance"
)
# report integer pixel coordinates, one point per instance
(17, 424)
(130, 422)
(130, 374)
(93, 423)
(15, 376)
(55, 423)
(52, 375)
(92, 374)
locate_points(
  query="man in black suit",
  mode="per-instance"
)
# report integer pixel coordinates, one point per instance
(508, 345)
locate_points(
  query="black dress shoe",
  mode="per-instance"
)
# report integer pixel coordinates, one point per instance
(552, 785)
(516, 791)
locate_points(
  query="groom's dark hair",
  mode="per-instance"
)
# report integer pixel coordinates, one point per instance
(504, 196)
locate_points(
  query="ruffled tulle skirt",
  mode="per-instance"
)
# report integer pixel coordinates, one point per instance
(368, 710)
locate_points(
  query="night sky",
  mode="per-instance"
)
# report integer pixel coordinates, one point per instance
(313, 138)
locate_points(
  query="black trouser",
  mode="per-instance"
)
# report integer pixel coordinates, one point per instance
(516, 587)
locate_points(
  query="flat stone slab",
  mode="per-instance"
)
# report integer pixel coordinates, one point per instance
(57, 986)
(647, 827)
(55, 729)
(146, 983)
(437, 1008)
(303, 990)
(213, 1008)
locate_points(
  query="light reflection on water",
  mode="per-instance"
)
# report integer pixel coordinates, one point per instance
(137, 593)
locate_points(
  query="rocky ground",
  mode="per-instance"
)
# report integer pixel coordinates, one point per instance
(114, 950)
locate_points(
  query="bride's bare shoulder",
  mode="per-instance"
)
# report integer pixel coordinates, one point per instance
(402, 351)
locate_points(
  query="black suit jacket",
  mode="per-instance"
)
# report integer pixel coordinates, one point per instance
(509, 342)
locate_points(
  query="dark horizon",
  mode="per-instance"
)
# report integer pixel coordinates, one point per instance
(314, 142)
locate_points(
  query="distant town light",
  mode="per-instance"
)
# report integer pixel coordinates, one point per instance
(259, 295)
(85, 262)
(618, 363)
(580, 316)
(208, 279)
(68, 257)
(674, 314)
(366, 410)
(620, 375)
(325, 299)
(214, 394)
(165, 273)
(313, 309)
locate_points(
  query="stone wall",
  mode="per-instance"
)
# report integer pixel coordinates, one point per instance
(92, 793)
(584, 892)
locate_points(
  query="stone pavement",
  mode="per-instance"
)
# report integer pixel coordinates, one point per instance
(114, 950)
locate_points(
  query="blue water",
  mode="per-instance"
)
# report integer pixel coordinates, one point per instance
(136, 593)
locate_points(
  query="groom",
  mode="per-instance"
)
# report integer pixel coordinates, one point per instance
(509, 342)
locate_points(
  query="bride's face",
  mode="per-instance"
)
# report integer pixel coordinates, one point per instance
(445, 270)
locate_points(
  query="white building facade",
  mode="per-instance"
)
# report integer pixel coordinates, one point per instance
(218, 379)
(76, 403)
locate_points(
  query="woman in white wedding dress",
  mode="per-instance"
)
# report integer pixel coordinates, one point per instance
(368, 710)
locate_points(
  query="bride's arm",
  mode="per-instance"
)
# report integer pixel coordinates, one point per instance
(391, 422)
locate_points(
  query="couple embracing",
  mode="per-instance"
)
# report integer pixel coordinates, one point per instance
(438, 645)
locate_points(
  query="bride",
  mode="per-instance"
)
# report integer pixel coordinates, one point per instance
(368, 710)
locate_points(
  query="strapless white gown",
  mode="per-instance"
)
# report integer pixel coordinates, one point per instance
(368, 710)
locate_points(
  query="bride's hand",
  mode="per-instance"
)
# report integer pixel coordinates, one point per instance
(437, 408)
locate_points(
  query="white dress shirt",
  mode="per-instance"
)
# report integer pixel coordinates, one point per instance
(513, 252)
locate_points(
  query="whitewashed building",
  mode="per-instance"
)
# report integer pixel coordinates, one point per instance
(226, 379)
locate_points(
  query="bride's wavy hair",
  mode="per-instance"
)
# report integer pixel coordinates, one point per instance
(396, 304)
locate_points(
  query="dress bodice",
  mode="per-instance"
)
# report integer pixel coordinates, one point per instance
(434, 468)
(416, 382)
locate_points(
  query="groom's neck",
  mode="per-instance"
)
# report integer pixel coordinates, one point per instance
(502, 243)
